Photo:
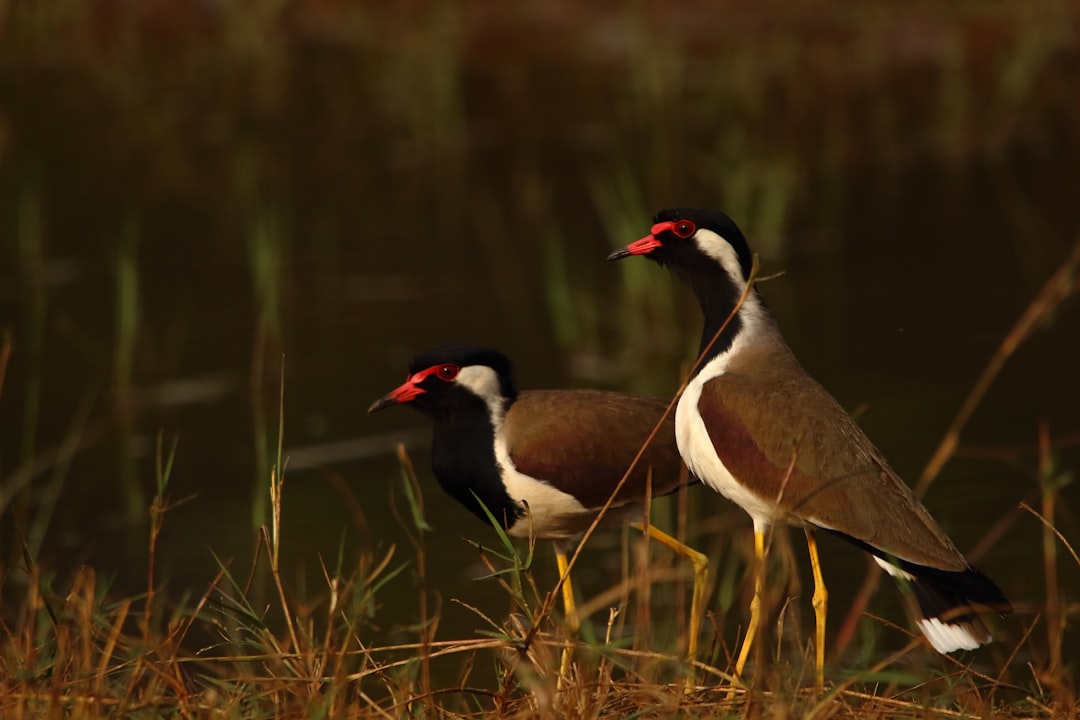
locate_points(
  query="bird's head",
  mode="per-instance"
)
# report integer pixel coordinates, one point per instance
(685, 238)
(444, 379)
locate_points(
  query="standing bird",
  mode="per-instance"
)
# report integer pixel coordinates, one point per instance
(544, 462)
(754, 426)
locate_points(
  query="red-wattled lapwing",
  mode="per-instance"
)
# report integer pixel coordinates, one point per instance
(753, 425)
(544, 462)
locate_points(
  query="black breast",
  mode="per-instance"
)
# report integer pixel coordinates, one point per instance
(463, 459)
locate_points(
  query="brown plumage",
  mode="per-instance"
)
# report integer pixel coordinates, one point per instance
(765, 411)
(753, 425)
(582, 442)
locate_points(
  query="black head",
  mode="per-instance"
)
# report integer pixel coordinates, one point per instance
(442, 378)
(681, 236)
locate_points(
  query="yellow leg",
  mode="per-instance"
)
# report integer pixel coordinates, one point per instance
(701, 573)
(820, 602)
(755, 604)
(569, 609)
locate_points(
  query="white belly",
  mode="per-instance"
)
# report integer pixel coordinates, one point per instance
(551, 513)
(697, 450)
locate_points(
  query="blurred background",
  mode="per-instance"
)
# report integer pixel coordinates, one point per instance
(192, 191)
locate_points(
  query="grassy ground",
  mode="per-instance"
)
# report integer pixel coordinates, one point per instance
(70, 648)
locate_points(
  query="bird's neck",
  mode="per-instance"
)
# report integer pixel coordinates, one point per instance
(463, 459)
(728, 325)
(718, 297)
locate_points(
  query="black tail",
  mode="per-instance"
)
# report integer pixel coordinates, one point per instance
(945, 598)
(948, 620)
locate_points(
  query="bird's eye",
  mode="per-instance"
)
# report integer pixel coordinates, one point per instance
(448, 372)
(684, 228)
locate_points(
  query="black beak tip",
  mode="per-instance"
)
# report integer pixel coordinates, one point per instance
(383, 402)
(619, 254)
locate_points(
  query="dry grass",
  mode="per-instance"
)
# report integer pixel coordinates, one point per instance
(76, 652)
(83, 656)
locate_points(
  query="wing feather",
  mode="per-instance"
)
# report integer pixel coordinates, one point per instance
(786, 439)
(582, 442)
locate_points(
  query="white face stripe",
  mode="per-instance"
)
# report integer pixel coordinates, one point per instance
(715, 247)
(720, 250)
(483, 382)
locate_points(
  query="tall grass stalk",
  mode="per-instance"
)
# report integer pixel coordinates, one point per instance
(125, 343)
(30, 233)
(418, 528)
(5, 356)
(266, 256)
(644, 586)
(1057, 611)
(1050, 485)
(58, 466)
(163, 465)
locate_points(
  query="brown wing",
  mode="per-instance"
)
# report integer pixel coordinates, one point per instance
(582, 442)
(762, 416)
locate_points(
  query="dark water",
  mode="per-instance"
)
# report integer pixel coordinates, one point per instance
(914, 175)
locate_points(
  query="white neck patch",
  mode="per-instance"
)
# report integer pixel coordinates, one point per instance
(720, 250)
(715, 247)
(483, 382)
(552, 513)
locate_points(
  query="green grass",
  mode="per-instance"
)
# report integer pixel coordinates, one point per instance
(125, 341)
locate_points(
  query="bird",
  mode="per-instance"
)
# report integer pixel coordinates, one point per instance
(544, 463)
(753, 425)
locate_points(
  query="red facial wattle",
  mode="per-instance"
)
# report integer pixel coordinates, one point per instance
(408, 392)
(644, 246)
(679, 228)
(410, 389)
